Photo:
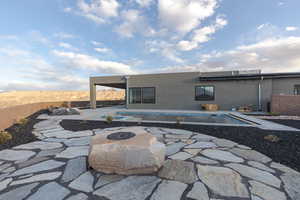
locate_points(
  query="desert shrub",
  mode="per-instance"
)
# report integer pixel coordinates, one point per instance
(22, 122)
(109, 119)
(272, 138)
(4, 137)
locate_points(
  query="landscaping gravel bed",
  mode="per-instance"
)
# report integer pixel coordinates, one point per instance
(286, 151)
(22, 133)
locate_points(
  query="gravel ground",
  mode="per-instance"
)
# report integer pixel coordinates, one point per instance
(285, 151)
(22, 134)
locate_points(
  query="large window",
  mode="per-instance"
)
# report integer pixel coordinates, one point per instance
(297, 90)
(204, 93)
(145, 95)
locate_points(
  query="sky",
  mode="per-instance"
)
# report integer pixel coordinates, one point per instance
(59, 44)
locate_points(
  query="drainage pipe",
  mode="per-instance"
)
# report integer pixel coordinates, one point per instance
(127, 91)
(260, 94)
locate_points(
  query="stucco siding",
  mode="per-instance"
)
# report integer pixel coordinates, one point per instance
(285, 86)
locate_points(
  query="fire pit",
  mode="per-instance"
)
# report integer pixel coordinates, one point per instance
(126, 151)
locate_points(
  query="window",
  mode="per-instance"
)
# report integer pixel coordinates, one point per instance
(144, 95)
(297, 90)
(135, 95)
(148, 95)
(204, 93)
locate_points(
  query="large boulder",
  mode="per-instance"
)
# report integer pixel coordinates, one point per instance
(126, 151)
(65, 111)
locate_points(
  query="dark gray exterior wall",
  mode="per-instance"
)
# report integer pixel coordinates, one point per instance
(177, 90)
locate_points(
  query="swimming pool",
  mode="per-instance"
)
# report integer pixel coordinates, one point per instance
(220, 118)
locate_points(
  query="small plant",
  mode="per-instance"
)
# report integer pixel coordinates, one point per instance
(4, 137)
(179, 120)
(109, 119)
(272, 138)
(274, 114)
(22, 122)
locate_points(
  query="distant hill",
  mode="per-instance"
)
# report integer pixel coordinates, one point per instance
(8, 99)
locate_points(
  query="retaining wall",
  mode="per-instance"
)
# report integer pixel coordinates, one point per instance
(11, 115)
(286, 104)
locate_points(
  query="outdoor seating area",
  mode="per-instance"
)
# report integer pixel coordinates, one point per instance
(196, 166)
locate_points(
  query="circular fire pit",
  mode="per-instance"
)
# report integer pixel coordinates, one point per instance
(126, 151)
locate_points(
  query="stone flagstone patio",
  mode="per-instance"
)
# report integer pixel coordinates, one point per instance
(198, 166)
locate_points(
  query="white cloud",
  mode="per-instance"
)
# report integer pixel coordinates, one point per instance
(271, 55)
(67, 46)
(62, 35)
(67, 9)
(134, 22)
(144, 3)
(95, 43)
(202, 35)
(87, 62)
(185, 15)
(102, 50)
(291, 28)
(98, 10)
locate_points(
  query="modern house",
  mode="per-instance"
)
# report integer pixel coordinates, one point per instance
(188, 90)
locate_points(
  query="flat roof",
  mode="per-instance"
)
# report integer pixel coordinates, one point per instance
(250, 76)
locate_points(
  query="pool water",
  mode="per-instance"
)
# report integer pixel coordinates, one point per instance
(184, 117)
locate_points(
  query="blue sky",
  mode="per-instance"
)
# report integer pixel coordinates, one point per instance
(58, 44)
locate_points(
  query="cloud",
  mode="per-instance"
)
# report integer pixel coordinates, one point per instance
(98, 10)
(62, 35)
(291, 28)
(134, 22)
(102, 50)
(67, 46)
(270, 55)
(184, 16)
(87, 62)
(95, 43)
(144, 3)
(165, 49)
(202, 35)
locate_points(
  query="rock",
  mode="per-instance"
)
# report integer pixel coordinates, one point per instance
(171, 136)
(177, 131)
(203, 160)
(224, 143)
(4, 183)
(74, 168)
(9, 170)
(19, 193)
(256, 174)
(32, 161)
(65, 111)
(106, 179)
(69, 134)
(39, 145)
(221, 155)
(78, 141)
(261, 166)
(140, 154)
(132, 187)
(46, 124)
(181, 156)
(266, 192)
(174, 148)
(169, 190)
(155, 131)
(43, 166)
(80, 196)
(243, 147)
(201, 145)
(179, 171)
(283, 168)
(12, 155)
(198, 192)
(192, 151)
(50, 152)
(292, 184)
(202, 137)
(83, 183)
(251, 155)
(222, 181)
(5, 166)
(40, 177)
(72, 152)
(58, 192)
(254, 197)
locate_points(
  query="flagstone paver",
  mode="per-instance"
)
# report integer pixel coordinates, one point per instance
(199, 167)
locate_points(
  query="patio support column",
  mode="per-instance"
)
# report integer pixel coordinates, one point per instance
(92, 95)
(127, 91)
